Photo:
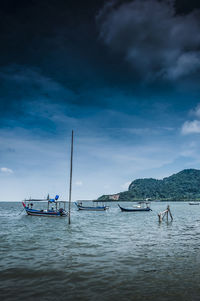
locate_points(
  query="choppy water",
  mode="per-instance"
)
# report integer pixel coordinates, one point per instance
(109, 255)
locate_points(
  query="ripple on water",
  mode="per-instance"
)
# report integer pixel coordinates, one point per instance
(100, 256)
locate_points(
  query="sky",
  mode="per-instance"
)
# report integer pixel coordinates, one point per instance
(124, 75)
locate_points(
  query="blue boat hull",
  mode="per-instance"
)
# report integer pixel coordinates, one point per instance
(88, 208)
(134, 209)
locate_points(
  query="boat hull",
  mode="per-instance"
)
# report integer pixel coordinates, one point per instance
(87, 208)
(134, 209)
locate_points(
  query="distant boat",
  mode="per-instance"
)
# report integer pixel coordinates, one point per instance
(91, 208)
(55, 210)
(134, 209)
(193, 203)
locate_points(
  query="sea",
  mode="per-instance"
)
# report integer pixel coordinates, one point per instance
(109, 255)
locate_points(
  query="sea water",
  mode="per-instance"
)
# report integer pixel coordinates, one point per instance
(109, 255)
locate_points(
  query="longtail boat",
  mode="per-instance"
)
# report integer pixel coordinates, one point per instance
(91, 208)
(53, 207)
(139, 209)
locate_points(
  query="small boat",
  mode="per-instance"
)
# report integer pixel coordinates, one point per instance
(134, 209)
(56, 209)
(193, 203)
(91, 208)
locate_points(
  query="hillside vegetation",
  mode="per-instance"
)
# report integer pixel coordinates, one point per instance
(181, 186)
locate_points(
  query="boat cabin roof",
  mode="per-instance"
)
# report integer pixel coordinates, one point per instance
(35, 200)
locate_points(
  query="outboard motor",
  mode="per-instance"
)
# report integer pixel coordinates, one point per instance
(61, 210)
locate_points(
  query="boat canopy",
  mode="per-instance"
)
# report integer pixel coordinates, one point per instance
(55, 200)
(34, 200)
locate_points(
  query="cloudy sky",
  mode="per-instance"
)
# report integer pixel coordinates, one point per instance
(124, 75)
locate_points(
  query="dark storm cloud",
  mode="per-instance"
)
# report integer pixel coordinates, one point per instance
(20, 85)
(51, 54)
(31, 99)
(152, 37)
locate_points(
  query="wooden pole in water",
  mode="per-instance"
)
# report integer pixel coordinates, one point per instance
(70, 185)
(170, 213)
(167, 212)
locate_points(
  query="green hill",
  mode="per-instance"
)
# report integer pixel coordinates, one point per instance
(184, 185)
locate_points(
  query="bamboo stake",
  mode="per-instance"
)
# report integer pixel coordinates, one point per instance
(170, 213)
(70, 185)
(166, 212)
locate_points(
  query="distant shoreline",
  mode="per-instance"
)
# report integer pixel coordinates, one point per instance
(120, 201)
(135, 201)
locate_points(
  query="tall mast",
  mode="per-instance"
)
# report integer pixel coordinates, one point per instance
(70, 185)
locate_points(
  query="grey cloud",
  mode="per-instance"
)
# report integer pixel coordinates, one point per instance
(31, 99)
(186, 64)
(150, 36)
(26, 94)
(20, 85)
(29, 82)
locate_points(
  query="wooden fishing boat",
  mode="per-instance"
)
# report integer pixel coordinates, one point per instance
(193, 203)
(134, 209)
(55, 207)
(55, 210)
(91, 208)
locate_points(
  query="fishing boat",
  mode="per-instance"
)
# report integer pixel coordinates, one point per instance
(90, 208)
(135, 209)
(53, 207)
(193, 203)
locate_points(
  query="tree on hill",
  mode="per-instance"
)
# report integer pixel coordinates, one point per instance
(183, 185)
